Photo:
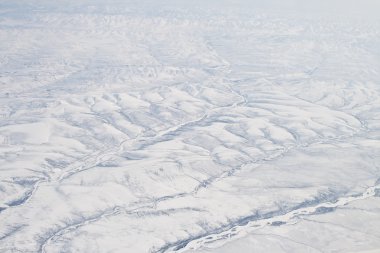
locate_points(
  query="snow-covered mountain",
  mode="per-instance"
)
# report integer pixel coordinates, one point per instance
(189, 126)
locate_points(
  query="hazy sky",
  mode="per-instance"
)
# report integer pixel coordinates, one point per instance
(351, 7)
(363, 8)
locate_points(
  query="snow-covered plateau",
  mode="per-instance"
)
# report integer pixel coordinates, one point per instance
(189, 126)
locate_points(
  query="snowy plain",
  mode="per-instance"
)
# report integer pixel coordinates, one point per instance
(189, 126)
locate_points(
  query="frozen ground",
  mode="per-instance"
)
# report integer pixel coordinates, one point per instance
(203, 126)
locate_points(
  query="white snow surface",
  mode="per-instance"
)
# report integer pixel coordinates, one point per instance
(189, 126)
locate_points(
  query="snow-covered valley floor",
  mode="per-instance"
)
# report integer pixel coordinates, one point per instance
(173, 126)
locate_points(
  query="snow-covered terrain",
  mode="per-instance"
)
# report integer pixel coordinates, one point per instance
(189, 126)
